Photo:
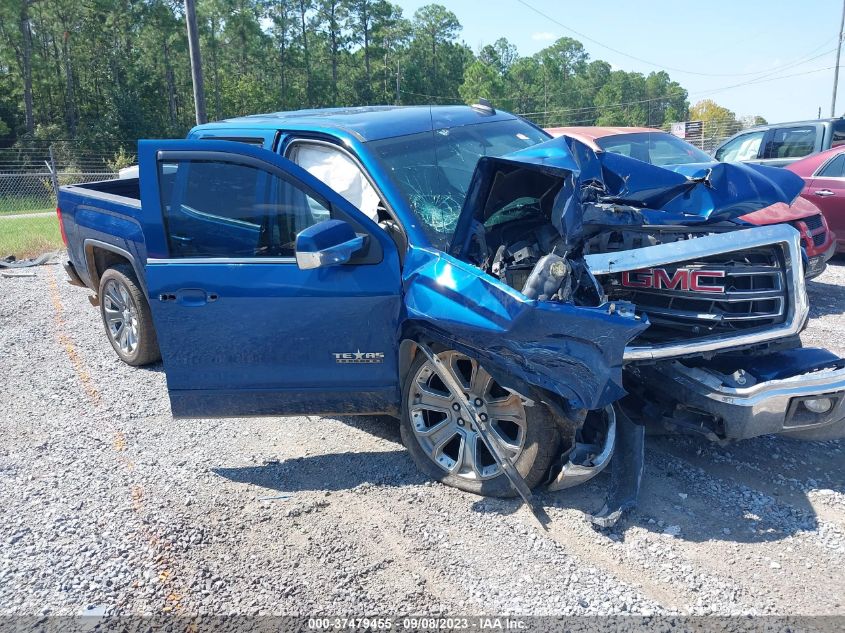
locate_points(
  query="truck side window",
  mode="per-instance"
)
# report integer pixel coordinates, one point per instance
(226, 209)
(838, 133)
(791, 142)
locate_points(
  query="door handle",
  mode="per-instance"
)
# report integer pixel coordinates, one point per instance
(193, 297)
(824, 193)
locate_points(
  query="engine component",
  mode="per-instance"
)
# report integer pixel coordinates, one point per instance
(550, 278)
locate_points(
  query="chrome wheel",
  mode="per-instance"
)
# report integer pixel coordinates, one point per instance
(121, 317)
(451, 441)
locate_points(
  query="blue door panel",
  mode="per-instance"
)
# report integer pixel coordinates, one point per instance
(258, 336)
(272, 325)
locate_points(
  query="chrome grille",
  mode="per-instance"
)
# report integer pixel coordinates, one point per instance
(779, 240)
(744, 290)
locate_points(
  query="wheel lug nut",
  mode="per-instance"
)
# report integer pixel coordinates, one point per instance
(483, 417)
(460, 421)
(456, 407)
(478, 402)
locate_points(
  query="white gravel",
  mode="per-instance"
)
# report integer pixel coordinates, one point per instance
(109, 505)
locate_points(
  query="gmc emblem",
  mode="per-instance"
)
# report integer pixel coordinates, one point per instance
(682, 278)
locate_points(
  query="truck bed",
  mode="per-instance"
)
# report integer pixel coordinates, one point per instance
(122, 187)
(102, 223)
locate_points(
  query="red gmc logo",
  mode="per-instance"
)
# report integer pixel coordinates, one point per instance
(682, 278)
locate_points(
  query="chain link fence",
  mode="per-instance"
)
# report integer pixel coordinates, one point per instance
(29, 181)
(709, 135)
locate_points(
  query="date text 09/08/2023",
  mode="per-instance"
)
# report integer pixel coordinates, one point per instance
(483, 623)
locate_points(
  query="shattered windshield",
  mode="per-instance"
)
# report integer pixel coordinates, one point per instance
(433, 169)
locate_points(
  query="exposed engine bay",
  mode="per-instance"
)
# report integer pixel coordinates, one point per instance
(728, 292)
(537, 225)
(519, 248)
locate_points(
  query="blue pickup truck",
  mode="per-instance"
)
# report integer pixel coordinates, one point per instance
(517, 302)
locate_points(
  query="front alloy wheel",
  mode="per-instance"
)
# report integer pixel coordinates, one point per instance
(447, 447)
(453, 442)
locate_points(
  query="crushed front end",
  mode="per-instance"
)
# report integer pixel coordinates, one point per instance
(558, 228)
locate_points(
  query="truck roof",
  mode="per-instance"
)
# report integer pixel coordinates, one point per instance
(766, 126)
(367, 123)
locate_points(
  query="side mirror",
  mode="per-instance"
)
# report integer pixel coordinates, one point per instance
(327, 243)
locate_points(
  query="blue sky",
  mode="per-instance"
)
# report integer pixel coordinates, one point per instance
(768, 48)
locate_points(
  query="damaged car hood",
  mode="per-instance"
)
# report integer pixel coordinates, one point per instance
(586, 191)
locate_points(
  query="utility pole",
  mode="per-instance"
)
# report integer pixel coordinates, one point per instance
(196, 61)
(836, 69)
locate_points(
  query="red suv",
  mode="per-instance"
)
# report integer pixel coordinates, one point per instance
(824, 175)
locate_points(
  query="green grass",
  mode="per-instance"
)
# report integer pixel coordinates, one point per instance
(29, 237)
(10, 205)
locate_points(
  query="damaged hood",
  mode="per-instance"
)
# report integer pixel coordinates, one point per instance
(583, 189)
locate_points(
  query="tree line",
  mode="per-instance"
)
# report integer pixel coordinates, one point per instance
(97, 71)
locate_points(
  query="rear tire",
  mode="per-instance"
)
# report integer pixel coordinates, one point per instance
(531, 432)
(127, 318)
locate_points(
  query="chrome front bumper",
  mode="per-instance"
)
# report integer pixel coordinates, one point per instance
(768, 407)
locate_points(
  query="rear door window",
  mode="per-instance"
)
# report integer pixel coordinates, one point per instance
(744, 147)
(249, 140)
(834, 168)
(791, 142)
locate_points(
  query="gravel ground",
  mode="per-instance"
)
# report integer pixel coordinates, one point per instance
(112, 506)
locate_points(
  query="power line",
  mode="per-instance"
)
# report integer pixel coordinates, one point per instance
(764, 80)
(682, 93)
(640, 59)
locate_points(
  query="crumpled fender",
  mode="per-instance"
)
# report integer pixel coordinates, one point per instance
(572, 351)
